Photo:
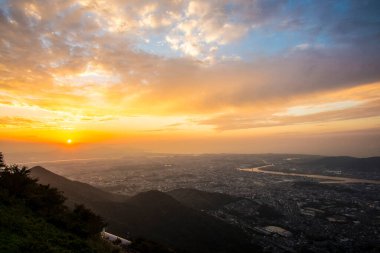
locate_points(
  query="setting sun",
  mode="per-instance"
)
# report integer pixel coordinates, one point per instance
(203, 76)
(250, 125)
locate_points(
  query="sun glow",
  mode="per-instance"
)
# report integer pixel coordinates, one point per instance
(174, 76)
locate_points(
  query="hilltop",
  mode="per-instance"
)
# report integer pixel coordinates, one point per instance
(77, 192)
(201, 200)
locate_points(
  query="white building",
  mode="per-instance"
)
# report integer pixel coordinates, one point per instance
(112, 238)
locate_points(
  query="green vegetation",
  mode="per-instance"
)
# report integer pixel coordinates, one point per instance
(33, 218)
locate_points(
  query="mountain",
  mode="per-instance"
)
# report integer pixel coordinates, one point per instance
(76, 192)
(160, 217)
(201, 200)
(349, 163)
(156, 216)
(366, 168)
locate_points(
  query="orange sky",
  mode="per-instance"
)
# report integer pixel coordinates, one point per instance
(186, 76)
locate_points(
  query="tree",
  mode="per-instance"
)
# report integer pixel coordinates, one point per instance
(16, 180)
(84, 222)
(2, 164)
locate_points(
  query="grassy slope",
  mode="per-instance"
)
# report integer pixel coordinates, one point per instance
(21, 230)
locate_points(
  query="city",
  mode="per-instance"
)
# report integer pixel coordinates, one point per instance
(283, 213)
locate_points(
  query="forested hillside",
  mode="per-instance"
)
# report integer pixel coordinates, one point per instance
(33, 218)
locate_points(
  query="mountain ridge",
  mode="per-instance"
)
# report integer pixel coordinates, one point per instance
(201, 200)
(69, 187)
(159, 217)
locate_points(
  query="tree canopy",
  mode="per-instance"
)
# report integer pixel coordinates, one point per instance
(33, 217)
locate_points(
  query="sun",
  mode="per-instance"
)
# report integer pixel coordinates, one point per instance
(69, 141)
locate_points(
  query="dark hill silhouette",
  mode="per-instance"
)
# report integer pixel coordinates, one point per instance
(160, 217)
(202, 200)
(77, 192)
(156, 216)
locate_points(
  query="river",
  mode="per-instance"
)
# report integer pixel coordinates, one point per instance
(331, 179)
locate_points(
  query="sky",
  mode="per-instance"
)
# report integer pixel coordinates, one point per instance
(244, 76)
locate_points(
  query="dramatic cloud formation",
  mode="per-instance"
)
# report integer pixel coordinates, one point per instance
(193, 68)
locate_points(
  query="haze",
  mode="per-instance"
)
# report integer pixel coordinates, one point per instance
(112, 77)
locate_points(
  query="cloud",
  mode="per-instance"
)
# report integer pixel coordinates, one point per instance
(304, 110)
(319, 108)
(17, 122)
(46, 50)
(203, 27)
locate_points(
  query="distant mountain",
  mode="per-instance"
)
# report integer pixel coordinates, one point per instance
(202, 200)
(349, 163)
(76, 192)
(366, 168)
(156, 216)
